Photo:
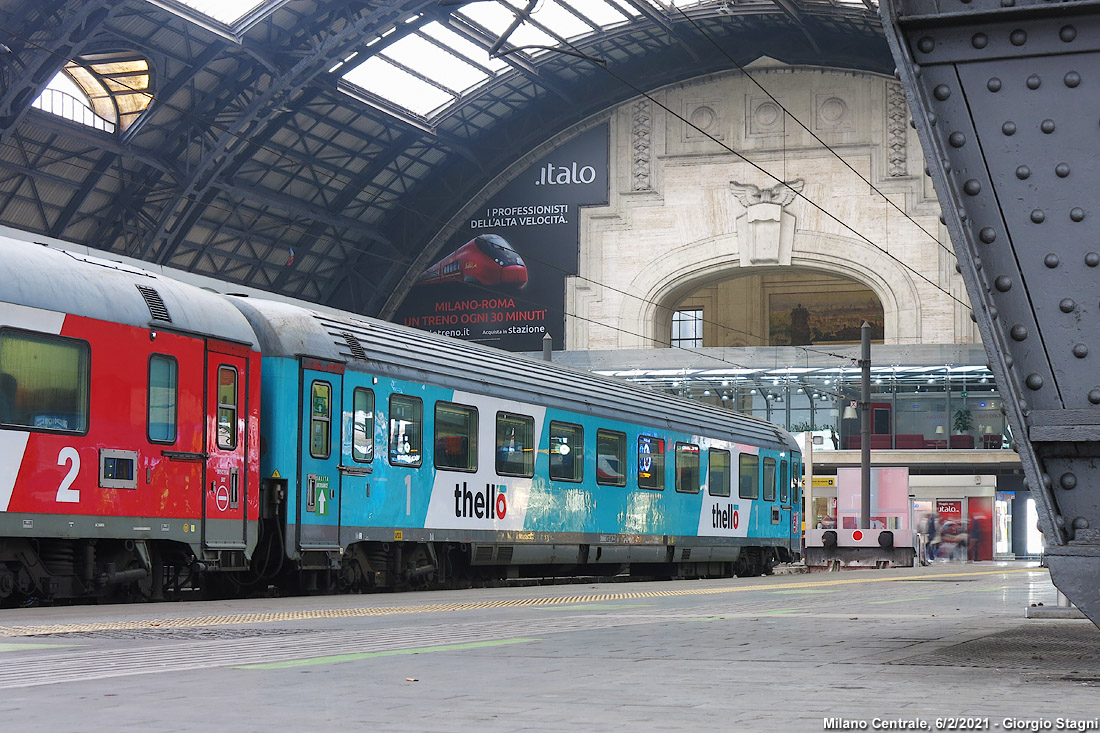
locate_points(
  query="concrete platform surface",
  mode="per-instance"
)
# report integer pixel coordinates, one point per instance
(945, 647)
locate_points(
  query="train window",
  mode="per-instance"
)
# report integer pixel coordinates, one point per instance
(784, 485)
(610, 458)
(566, 452)
(769, 479)
(748, 476)
(515, 445)
(320, 420)
(406, 430)
(718, 473)
(455, 437)
(227, 408)
(651, 462)
(362, 425)
(163, 395)
(43, 382)
(687, 468)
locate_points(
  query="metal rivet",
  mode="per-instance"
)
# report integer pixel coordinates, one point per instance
(932, 120)
(1080, 523)
(973, 188)
(1066, 305)
(1061, 170)
(979, 40)
(1009, 128)
(926, 44)
(1047, 126)
(942, 220)
(1033, 81)
(912, 123)
(993, 85)
(1034, 382)
(1018, 332)
(1003, 283)
(1080, 351)
(1068, 481)
(1052, 260)
(1038, 216)
(1068, 33)
(1077, 213)
(993, 313)
(973, 317)
(1072, 79)
(1018, 37)
(987, 235)
(1094, 396)
(957, 139)
(958, 267)
(1092, 259)
(1008, 361)
(941, 92)
(962, 213)
(1023, 172)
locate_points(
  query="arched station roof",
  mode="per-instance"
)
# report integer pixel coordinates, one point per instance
(314, 147)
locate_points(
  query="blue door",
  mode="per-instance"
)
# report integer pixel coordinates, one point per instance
(357, 451)
(319, 502)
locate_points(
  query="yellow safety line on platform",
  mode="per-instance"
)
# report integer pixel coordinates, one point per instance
(335, 613)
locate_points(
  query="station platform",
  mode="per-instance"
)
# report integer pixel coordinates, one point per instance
(945, 647)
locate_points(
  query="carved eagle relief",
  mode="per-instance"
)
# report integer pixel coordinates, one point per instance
(781, 193)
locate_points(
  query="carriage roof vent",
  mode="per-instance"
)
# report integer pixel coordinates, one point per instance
(353, 344)
(157, 309)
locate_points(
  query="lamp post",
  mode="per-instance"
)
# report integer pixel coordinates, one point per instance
(865, 427)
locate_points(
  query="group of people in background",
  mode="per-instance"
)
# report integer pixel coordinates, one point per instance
(950, 539)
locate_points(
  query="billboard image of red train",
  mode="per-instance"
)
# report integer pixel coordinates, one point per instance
(486, 259)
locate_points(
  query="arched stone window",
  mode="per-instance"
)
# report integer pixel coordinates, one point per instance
(107, 91)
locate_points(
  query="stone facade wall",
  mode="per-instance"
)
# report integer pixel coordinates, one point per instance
(697, 197)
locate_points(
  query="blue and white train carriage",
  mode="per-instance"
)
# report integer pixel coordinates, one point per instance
(393, 457)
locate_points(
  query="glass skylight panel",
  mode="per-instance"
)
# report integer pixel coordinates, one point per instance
(559, 20)
(433, 62)
(496, 19)
(466, 48)
(225, 11)
(395, 85)
(600, 12)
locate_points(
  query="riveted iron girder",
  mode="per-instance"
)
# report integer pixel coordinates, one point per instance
(1006, 101)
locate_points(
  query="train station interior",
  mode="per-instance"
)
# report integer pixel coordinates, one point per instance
(259, 469)
(705, 197)
(723, 193)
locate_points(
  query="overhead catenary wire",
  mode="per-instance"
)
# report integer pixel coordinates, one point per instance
(381, 199)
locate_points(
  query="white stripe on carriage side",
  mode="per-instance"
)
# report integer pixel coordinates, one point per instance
(13, 443)
(32, 319)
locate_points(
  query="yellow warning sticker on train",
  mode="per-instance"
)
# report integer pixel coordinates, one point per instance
(275, 474)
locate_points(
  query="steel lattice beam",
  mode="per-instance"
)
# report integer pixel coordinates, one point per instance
(1006, 101)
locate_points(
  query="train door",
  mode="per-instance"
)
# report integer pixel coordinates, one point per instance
(225, 494)
(356, 446)
(319, 451)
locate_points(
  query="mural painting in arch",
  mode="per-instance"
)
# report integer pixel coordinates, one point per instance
(796, 307)
(803, 318)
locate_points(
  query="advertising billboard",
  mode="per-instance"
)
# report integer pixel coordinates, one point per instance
(501, 279)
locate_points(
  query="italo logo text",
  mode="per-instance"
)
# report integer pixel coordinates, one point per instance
(558, 175)
(489, 503)
(724, 518)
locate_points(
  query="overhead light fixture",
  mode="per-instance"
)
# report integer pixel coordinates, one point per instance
(850, 413)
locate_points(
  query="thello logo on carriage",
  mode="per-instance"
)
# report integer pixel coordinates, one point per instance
(724, 518)
(487, 504)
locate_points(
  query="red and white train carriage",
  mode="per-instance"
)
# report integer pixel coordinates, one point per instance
(129, 428)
